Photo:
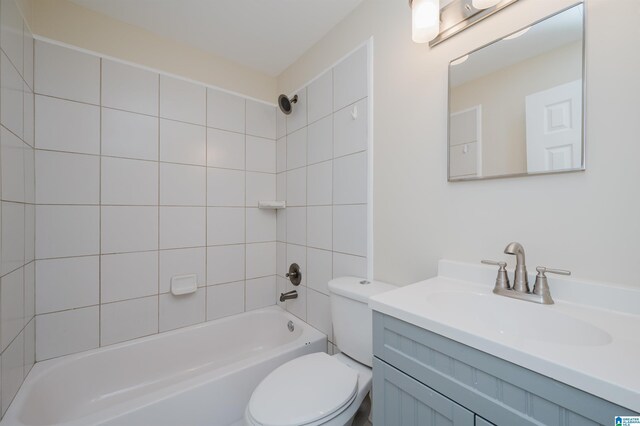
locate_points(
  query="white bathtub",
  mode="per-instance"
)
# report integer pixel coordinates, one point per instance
(200, 375)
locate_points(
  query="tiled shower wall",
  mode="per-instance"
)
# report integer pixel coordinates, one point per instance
(17, 268)
(141, 177)
(322, 163)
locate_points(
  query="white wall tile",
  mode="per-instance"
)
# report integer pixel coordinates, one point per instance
(182, 311)
(319, 269)
(125, 134)
(129, 88)
(183, 143)
(12, 368)
(319, 227)
(29, 291)
(182, 227)
(182, 185)
(281, 287)
(29, 175)
(281, 259)
(261, 292)
(11, 306)
(297, 225)
(261, 225)
(12, 159)
(29, 232)
(350, 179)
(67, 126)
(298, 117)
(29, 346)
(350, 229)
(298, 306)
(127, 229)
(183, 101)
(320, 140)
(67, 332)
(298, 254)
(281, 155)
(320, 97)
(225, 264)
(64, 178)
(261, 120)
(319, 184)
(66, 73)
(67, 283)
(129, 182)
(11, 39)
(281, 225)
(350, 79)
(13, 234)
(225, 188)
(225, 225)
(281, 124)
(349, 134)
(319, 312)
(11, 97)
(261, 155)
(128, 320)
(260, 187)
(225, 111)
(297, 149)
(297, 187)
(281, 186)
(261, 260)
(63, 231)
(128, 275)
(225, 149)
(345, 265)
(28, 48)
(224, 300)
(182, 262)
(29, 119)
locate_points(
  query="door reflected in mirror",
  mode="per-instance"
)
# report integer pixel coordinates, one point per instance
(516, 106)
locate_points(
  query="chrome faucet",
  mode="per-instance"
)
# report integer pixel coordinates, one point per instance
(520, 279)
(520, 290)
(288, 295)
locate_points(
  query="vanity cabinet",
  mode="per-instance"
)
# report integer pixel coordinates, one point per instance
(421, 378)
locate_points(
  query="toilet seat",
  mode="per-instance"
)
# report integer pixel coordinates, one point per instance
(308, 390)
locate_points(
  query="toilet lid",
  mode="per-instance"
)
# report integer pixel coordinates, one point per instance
(303, 391)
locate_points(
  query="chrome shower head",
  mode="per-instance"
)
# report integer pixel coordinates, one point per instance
(286, 104)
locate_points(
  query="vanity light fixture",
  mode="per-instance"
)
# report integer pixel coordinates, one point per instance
(434, 25)
(425, 20)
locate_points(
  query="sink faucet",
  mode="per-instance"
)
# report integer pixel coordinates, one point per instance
(520, 279)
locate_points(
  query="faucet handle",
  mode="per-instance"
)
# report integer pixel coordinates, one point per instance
(543, 269)
(502, 280)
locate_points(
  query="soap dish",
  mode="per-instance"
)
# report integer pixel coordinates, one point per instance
(184, 284)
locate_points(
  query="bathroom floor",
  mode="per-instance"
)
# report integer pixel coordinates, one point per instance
(362, 416)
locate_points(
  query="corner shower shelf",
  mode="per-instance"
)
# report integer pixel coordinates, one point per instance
(272, 205)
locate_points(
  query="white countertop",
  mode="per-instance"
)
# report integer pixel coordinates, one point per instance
(459, 304)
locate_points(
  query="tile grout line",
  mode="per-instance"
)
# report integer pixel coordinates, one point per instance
(158, 205)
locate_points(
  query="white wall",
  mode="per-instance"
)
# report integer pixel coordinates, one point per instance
(141, 177)
(585, 222)
(17, 210)
(322, 166)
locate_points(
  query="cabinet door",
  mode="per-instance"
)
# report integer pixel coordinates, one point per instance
(399, 400)
(482, 422)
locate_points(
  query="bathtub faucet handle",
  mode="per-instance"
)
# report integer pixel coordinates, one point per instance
(294, 274)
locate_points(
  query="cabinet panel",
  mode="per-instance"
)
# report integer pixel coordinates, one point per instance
(403, 401)
(482, 422)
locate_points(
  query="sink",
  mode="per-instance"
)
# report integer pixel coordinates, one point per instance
(515, 319)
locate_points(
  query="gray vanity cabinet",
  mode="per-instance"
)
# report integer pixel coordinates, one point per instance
(422, 378)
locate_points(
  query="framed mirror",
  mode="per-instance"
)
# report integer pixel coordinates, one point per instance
(516, 105)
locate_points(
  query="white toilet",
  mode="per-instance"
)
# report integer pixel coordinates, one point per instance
(319, 389)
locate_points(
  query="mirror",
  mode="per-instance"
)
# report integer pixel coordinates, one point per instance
(516, 105)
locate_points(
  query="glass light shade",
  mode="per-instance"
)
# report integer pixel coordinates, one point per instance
(425, 17)
(484, 4)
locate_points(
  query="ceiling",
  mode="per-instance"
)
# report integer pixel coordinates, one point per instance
(266, 35)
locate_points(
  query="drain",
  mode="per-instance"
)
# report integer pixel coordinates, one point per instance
(290, 326)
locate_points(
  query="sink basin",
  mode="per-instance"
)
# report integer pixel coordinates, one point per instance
(515, 318)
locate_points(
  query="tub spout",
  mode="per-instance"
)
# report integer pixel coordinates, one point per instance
(288, 295)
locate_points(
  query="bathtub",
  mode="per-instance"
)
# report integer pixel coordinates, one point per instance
(200, 375)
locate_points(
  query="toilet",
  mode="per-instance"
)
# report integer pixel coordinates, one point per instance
(319, 389)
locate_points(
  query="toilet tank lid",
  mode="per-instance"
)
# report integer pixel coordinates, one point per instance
(359, 289)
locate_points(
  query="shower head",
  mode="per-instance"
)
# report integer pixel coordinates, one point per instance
(286, 104)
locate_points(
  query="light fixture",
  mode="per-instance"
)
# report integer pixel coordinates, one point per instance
(518, 34)
(425, 19)
(484, 4)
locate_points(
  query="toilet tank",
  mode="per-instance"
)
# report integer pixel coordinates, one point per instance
(351, 316)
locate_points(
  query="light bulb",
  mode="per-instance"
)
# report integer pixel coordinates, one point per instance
(425, 17)
(484, 4)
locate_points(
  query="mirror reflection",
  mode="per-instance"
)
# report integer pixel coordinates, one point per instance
(516, 105)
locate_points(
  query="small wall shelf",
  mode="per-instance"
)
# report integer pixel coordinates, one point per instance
(272, 205)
